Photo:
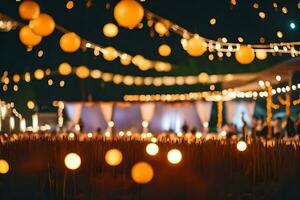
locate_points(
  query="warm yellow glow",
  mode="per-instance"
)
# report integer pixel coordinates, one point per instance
(40, 53)
(72, 161)
(110, 30)
(70, 5)
(153, 139)
(70, 42)
(174, 156)
(262, 15)
(82, 72)
(39, 74)
(164, 50)
(43, 25)
(128, 13)
(255, 5)
(90, 135)
(16, 78)
(110, 124)
(145, 124)
(212, 21)
(240, 39)
(28, 37)
(110, 53)
(113, 157)
(107, 134)
(29, 10)
(261, 54)
(152, 149)
(245, 55)
(27, 77)
(30, 105)
(241, 146)
(125, 59)
(196, 46)
(142, 173)
(279, 34)
(50, 82)
(4, 166)
(61, 83)
(284, 10)
(198, 135)
(160, 28)
(278, 78)
(65, 69)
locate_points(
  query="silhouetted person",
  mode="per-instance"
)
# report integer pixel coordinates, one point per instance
(185, 127)
(298, 124)
(278, 131)
(244, 127)
(290, 127)
(261, 128)
(194, 130)
(253, 126)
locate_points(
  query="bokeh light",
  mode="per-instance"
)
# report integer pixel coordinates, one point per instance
(174, 156)
(152, 149)
(142, 173)
(72, 161)
(241, 146)
(113, 157)
(4, 166)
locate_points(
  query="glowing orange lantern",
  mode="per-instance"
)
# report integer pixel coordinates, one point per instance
(164, 50)
(70, 42)
(113, 157)
(196, 46)
(43, 25)
(245, 55)
(29, 38)
(65, 69)
(128, 13)
(29, 10)
(142, 173)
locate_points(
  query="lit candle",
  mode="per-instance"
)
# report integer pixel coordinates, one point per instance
(23, 125)
(35, 123)
(12, 123)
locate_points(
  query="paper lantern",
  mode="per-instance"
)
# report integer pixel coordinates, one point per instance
(241, 146)
(64, 69)
(110, 30)
(110, 53)
(174, 156)
(29, 10)
(113, 157)
(125, 59)
(245, 55)
(142, 173)
(152, 149)
(39, 74)
(28, 37)
(70, 42)
(4, 166)
(82, 72)
(43, 25)
(72, 161)
(30, 105)
(261, 54)
(160, 28)
(16, 78)
(96, 74)
(128, 13)
(164, 50)
(196, 46)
